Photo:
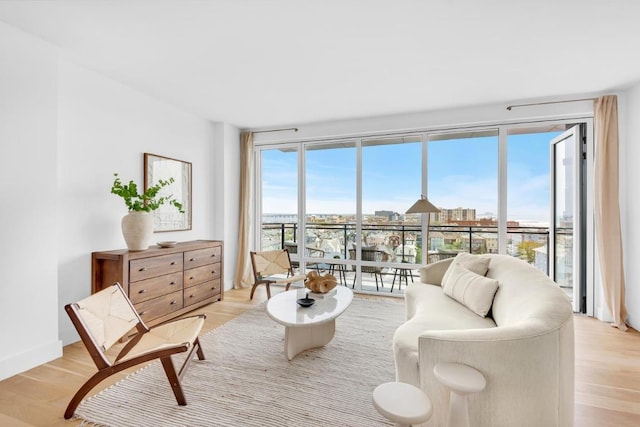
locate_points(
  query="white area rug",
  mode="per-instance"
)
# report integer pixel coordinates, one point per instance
(247, 381)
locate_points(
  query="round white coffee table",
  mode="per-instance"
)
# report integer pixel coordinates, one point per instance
(308, 327)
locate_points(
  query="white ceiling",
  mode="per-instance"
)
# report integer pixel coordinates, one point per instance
(260, 63)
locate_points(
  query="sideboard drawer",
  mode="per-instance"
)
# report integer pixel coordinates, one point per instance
(201, 257)
(145, 268)
(143, 290)
(201, 292)
(150, 309)
(201, 274)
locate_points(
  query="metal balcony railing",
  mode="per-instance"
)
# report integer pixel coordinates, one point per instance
(403, 243)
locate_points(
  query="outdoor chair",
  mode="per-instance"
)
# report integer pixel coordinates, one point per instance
(266, 265)
(107, 317)
(309, 252)
(439, 256)
(369, 254)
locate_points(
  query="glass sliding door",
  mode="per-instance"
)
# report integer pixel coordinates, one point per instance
(528, 193)
(566, 250)
(330, 207)
(389, 244)
(278, 195)
(462, 172)
(339, 205)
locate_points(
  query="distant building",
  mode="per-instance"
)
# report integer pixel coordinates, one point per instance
(449, 215)
(491, 242)
(390, 215)
(478, 243)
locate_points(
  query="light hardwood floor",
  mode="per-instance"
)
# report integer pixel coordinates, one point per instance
(607, 374)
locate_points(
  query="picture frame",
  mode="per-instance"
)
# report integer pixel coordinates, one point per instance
(167, 217)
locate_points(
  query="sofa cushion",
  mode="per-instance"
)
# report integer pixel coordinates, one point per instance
(477, 264)
(472, 290)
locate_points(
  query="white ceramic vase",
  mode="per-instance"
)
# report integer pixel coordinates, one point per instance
(137, 229)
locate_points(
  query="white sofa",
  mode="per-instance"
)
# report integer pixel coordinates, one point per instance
(524, 347)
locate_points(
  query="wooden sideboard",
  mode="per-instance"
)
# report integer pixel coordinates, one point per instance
(163, 283)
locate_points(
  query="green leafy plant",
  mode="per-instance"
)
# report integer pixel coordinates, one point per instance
(148, 201)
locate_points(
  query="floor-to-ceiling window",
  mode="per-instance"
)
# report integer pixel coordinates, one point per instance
(330, 206)
(391, 183)
(278, 194)
(339, 205)
(463, 182)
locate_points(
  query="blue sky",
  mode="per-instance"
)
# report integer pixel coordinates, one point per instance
(461, 173)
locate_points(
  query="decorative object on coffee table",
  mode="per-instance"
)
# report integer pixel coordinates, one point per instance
(306, 301)
(137, 225)
(320, 284)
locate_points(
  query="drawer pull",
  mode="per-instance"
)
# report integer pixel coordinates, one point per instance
(142, 313)
(192, 296)
(191, 278)
(192, 259)
(213, 255)
(143, 269)
(213, 272)
(173, 263)
(142, 291)
(173, 283)
(213, 288)
(174, 302)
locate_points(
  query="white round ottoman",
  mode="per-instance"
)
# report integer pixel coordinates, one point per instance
(461, 380)
(402, 403)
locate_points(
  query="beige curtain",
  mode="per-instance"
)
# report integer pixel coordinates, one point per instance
(244, 276)
(607, 209)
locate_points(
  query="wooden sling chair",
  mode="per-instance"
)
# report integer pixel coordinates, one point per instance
(106, 317)
(269, 263)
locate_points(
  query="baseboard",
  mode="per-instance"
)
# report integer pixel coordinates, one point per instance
(30, 359)
(602, 314)
(633, 322)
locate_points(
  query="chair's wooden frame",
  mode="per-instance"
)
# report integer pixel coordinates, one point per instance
(107, 368)
(259, 279)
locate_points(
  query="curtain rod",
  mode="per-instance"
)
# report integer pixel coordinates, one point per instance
(275, 130)
(549, 102)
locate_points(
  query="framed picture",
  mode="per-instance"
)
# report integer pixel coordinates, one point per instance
(167, 217)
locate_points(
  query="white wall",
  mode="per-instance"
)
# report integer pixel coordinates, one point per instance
(64, 131)
(105, 127)
(227, 184)
(630, 199)
(28, 195)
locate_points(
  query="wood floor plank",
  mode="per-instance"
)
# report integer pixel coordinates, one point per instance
(607, 374)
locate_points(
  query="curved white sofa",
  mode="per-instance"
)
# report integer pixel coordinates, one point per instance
(524, 347)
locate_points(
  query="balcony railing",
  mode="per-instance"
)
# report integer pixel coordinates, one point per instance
(403, 245)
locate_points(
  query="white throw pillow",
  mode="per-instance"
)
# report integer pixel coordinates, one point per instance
(475, 263)
(472, 290)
